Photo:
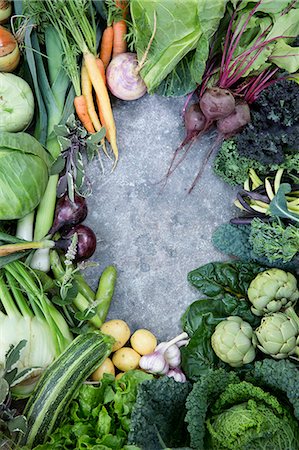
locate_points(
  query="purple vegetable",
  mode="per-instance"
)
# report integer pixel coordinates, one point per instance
(217, 103)
(123, 77)
(86, 245)
(195, 123)
(68, 212)
(233, 123)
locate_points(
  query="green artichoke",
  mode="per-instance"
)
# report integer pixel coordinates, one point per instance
(277, 335)
(234, 341)
(272, 290)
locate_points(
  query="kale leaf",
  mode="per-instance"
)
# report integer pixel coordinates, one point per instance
(158, 416)
(274, 126)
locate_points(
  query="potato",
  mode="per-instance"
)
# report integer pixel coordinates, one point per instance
(119, 330)
(106, 367)
(126, 359)
(143, 342)
(119, 375)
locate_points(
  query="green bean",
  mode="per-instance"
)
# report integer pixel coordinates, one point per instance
(105, 292)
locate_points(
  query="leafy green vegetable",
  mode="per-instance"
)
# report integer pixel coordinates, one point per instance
(225, 412)
(158, 415)
(181, 42)
(226, 286)
(233, 167)
(274, 125)
(99, 416)
(217, 279)
(278, 206)
(234, 240)
(274, 240)
(23, 174)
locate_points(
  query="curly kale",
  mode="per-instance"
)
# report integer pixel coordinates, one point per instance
(233, 168)
(234, 240)
(274, 126)
(274, 240)
(158, 415)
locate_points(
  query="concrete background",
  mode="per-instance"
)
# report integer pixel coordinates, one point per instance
(154, 236)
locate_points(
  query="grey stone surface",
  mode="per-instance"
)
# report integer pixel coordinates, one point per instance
(154, 236)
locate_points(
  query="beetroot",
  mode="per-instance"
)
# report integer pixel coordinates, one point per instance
(217, 103)
(233, 123)
(194, 120)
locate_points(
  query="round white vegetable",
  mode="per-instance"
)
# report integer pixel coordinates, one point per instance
(143, 342)
(16, 103)
(123, 78)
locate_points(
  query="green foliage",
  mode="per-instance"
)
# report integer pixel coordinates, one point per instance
(99, 416)
(234, 240)
(233, 167)
(225, 412)
(274, 240)
(179, 54)
(12, 424)
(274, 126)
(158, 415)
(226, 286)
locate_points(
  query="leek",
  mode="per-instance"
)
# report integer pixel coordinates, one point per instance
(27, 314)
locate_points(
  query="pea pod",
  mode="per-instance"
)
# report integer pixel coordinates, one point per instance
(105, 292)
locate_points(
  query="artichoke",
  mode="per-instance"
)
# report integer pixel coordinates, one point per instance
(277, 335)
(234, 341)
(271, 291)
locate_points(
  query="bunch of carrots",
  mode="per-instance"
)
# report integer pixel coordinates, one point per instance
(113, 43)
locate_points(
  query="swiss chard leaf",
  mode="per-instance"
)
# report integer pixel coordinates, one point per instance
(217, 279)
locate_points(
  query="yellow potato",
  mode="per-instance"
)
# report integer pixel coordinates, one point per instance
(119, 330)
(126, 359)
(106, 367)
(119, 375)
(143, 342)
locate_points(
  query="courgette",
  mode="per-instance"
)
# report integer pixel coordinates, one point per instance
(60, 383)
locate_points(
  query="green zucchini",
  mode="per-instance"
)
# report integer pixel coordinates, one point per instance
(60, 383)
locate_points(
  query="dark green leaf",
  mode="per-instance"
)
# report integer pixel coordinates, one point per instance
(64, 142)
(71, 121)
(4, 389)
(96, 138)
(278, 206)
(10, 375)
(58, 165)
(8, 239)
(85, 315)
(61, 130)
(70, 186)
(18, 423)
(72, 292)
(217, 279)
(13, 354)
(61, 302)
(13, 257)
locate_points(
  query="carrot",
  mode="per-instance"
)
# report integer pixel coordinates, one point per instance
(119, 33)
(101, 67)
(87, 92)
(102, 94)
(106, 46)
(82, 113)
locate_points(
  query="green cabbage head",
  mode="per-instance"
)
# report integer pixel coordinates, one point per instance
(24, 172)
(246, 417)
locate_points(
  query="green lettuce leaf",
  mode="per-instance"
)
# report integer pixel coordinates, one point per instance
(286, 57)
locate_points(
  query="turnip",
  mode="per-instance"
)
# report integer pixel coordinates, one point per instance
(232, 124)
(123, 77)
(217, 103)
